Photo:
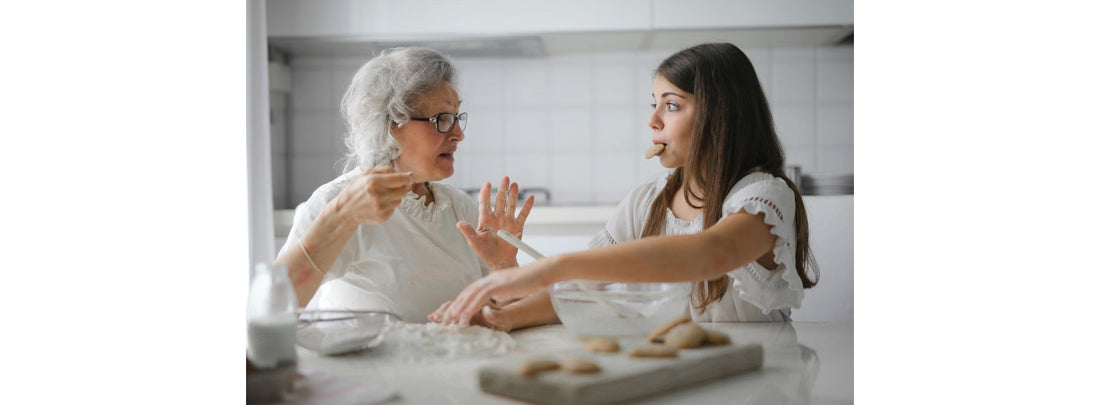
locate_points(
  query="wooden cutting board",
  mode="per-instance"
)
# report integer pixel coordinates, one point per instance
(621, 378)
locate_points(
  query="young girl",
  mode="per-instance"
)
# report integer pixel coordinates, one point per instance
(727, 218)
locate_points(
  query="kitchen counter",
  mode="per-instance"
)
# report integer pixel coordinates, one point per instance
(549, 219)
(804, 362)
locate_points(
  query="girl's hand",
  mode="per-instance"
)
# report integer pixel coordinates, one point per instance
(499, 285)
(371, 197)
(491, 317)
(483, 240)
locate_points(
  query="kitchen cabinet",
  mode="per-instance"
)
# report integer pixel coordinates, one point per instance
(703, 14)
(389, 20)
(831, 220)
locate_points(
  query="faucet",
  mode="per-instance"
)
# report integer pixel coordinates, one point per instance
(523, 193)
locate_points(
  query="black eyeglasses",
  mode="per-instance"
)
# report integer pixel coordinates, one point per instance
(445, 122)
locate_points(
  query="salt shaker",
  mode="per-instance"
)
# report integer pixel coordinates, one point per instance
(271, 316)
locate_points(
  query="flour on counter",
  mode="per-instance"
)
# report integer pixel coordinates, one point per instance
(430, 342)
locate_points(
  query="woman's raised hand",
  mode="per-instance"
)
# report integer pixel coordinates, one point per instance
(502, 215)
(371, 197)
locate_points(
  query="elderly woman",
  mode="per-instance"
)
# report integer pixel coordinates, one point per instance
(383, 235)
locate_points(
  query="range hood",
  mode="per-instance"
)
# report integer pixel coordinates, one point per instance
(495, 28)
(569, 43)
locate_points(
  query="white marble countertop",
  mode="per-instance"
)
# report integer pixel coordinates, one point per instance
(804, 362)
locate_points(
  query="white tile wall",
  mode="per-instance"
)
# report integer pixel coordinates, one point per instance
(481, 82)
(835, 159)
(577, 124)
(526, 82)
(571, 83)
(792, 81)
(834, 124)
(613, 84)
(485, 131)
(571, 129)
(483, 168)
(311, 170)
(314, 133)
(571, 178)
(834, 81)
(795, 124)
(616, 127)
(527, 169)
(313, 89)
(612, 175)
(526, 130)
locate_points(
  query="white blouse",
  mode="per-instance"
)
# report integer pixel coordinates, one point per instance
(755, 293)
(408, 265)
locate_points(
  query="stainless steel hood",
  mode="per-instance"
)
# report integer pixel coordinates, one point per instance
(496, 28)
(552, 44)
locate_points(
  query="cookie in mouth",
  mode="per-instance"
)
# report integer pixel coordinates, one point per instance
(654, 150)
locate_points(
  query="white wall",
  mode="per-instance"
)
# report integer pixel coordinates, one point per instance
(576, 124)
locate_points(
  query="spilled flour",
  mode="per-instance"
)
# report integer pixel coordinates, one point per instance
(432, 342)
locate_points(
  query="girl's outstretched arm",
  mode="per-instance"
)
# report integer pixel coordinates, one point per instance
(731, 243)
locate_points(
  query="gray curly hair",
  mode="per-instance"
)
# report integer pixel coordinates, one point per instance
(385, 90)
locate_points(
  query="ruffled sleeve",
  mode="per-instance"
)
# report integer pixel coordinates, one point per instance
(628, 221)
(768, 289)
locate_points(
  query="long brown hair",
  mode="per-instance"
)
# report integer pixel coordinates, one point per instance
(733, 135)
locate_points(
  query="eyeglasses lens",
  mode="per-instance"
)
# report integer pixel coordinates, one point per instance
(462, 120)
(445, 123)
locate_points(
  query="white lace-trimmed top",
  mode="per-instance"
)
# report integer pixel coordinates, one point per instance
(755, 293)
(408, 265)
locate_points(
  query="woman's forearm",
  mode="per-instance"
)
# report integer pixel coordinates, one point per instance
(324, 240)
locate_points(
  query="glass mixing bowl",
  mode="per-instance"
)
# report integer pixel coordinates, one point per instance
(593, 308)
(333, 332)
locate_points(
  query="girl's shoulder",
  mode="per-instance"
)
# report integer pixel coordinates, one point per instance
(760, 182)
(761, 191)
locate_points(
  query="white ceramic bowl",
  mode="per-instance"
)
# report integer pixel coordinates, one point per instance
(591, 308)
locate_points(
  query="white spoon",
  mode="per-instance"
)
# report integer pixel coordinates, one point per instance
(514, 241)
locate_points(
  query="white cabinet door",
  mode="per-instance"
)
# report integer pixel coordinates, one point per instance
(410, 20)
(708, 14)
(831, 240)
